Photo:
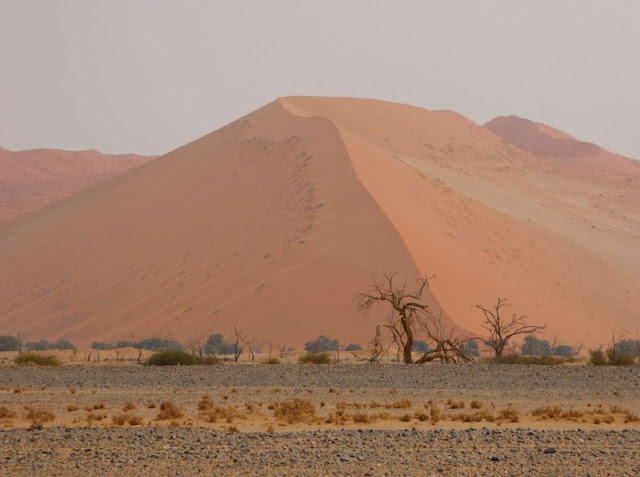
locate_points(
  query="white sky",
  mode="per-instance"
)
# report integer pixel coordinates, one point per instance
(149, 76)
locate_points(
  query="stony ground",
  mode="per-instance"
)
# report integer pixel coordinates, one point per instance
(254, 442)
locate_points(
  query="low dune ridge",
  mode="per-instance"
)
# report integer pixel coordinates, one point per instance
(34, 178)
(275, 221)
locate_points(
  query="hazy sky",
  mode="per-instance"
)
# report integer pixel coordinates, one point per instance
(149, 76)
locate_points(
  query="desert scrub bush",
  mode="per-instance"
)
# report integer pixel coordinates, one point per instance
(363, 418)
(509, 414)
(96, 416)
(72, 407)
(399, 404)
(315, 358)
(455, 404)
(421, 416)
(129, 406)
(39, 414)
(435, 414)
(205, 403)
(36, 359)
(295, 410)
(171, 358)
(272, 360)
(406, 417)
(227, 413)
(6, 413)
(610, 357)
(122, 419)
(476, 416)
(169, 410)
(475, 404)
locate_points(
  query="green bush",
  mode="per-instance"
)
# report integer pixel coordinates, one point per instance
(171, 358)
(597, 357)
(610, 357)
(37, 359)
(315, 358)
(176, 357)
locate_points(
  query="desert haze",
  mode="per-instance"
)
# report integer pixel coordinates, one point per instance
(275, 221)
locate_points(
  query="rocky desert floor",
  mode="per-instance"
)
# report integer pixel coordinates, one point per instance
(292, 419)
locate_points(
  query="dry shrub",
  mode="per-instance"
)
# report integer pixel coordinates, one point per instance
(129, 406)
(72, 407)
(374, 404)
(401, 404)
(205, 403)
(547, 412)
(6, 413)
(455, 404)
(18, 391)
(476, 404)
(363, 418)
(152, 405)
(608, 418)
(169, 410)
(556, 412)
(435, 414)
(421, 416)
(342, 405)
(295, 410)
(73, 390)
(509, 414)
(406, 417)
(135, 421)
(630, 417)
(476, 416)
(618, 410)
(39, 414)
(96, 416)
(228, 413)
(233, 429)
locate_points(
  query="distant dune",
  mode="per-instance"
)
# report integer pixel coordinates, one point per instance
(275, 221)
(32, 179)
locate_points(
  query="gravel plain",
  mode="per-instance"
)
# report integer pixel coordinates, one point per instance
(260, 445)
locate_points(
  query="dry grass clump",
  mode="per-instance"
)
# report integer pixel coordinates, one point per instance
(615, 409)
(227, 413)
(400, 404)
(509, 414)
(455, 404)
(95, 407)
(421, 416)
(363, 418)
(475, 404)
(169, 410)
(6, 413)
(129, 406)
(556, 412)
(406, 417)
(39, 414)
(96, 416)
(272, 360)
(71, 407)
(122, 419)
(295, 410)
(435, 414)
(152, 405)
(36, 359)
(476, 416)
(631, 417)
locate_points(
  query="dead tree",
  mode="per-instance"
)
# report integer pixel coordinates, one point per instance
(448, 343)
(500, 329)
(407, 309)
(376, 346)
(240, 342)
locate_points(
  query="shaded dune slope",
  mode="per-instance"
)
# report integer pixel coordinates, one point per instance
(262, 224)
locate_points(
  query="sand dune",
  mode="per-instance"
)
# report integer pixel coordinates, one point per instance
(275, 221)
(32, 179)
